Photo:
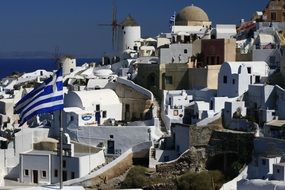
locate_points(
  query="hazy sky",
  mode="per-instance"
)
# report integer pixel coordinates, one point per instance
(72, 25)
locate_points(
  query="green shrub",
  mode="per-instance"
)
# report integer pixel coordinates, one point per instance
(207, 180)
(135, 178)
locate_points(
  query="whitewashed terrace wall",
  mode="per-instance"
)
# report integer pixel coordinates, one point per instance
(137, 148)
(232, 185)
(208, 120)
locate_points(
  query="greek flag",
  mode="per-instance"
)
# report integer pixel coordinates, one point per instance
(172, 20)
(45, 98)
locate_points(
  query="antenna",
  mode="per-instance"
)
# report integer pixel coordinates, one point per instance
(114, 24)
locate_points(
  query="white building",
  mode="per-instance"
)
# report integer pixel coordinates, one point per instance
(68, 64)
(266, 48)
(274, 129)
(234, 109)
(173, 146)
(36, 74)
(129, 35)
(147, 48)
(224, 31)
(266, 102)
(23, 142)
(200, 110)
(91, 108)
(234, 77)
(173, 106)
(7, 117)
(175, 53)
(188, 106)
(280, 102)
(42, 166)
(118, 117)
(279, 171)
(262, 168)
(261, 99)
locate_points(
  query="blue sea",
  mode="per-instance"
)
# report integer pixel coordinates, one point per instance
(8, 66)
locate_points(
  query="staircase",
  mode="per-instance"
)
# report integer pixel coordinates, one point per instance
(158, 114)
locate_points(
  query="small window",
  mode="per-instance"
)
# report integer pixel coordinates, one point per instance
(178, 148)
(26, 172)
(257, 79)
(263, 162)
(166, 158)
(234, 81)
(71, 118)
(225, 79)
(168, 79)
(273, 16)
(64, 163)
(213, 60)
(218, 60)
(185, 51)
(249, 70)
(104, 114)
(127, 108)
(111, 136)
(55, 173)
(278, 171)
(44, 174)
(272, 60)
(211, 105)
(71, 70)
(72, 175)
(98, 107)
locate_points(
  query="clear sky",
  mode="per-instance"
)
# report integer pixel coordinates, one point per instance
(72, 25)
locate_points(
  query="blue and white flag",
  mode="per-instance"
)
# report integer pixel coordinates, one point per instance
(172, 20)
(45, 98)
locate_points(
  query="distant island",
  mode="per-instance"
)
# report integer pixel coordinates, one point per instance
(39, 55)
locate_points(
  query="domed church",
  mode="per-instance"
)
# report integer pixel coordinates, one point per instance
(192, 16)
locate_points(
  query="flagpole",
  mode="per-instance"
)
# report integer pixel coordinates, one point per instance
(60, 151)
(60, 139)
(174, 18)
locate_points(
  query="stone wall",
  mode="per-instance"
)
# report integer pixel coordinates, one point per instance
(192, 160)
(201, 135)
(207, 142)
(114, 171)
(226, 141)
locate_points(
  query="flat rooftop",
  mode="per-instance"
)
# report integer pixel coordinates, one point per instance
(46, 152)
(50, 147)
(276, 123)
